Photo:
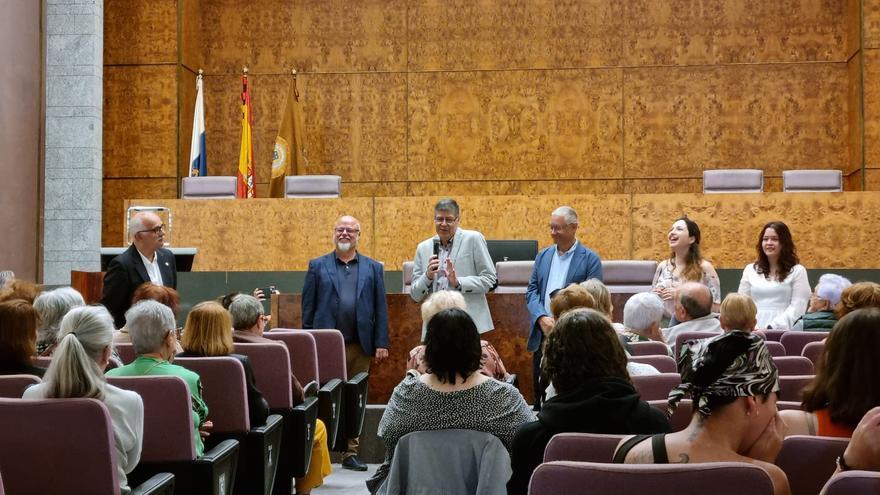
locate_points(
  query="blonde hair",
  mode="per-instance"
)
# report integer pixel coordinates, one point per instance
(857, 296)
(438, 301)
(600, 293)
(738, 312)
(572, 297)
(74, 372)
(208, 330)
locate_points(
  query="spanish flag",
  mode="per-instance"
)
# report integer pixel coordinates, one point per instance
(246, 153)
(289, 154)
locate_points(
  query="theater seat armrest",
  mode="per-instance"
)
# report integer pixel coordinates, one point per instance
(223, 450)
(359, 377)
(272, 422)
(311, 389)
(159, 484)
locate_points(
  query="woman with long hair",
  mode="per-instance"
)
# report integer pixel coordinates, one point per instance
(733, 384)
(585, 361)
(776, 280)
(207, 333)
(77, 370)
(18, 338)
(845, 386)
(685, 264)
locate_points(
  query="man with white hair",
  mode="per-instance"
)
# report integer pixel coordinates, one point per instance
(565, 262)
(641, 317)
(146, 260)
(820, 315)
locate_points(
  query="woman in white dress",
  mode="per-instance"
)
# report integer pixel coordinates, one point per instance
(685, 264)
(776, 281)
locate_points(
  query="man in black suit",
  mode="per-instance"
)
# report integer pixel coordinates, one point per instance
(144, 261)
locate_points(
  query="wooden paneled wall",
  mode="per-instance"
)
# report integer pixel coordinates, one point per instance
(494, 97)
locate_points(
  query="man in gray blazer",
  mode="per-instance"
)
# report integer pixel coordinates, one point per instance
(455, 259)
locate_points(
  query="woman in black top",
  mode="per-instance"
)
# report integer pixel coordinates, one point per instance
(586, 363)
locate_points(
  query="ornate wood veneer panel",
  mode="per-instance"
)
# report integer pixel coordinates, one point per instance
(708, 32)
(872, 107)
(515, 125)
(823, 226)
(498, 34)
(140, 121)
(140, 31)
(115, 194)
(680, 121)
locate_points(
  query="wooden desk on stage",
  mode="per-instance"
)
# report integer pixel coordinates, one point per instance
(405, 328)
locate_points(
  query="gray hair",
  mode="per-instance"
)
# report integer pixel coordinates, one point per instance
(566, 212)
(52, 306)
(830, 287)
(449, 205)
(148, 322)
(6, 276)
(135, 224)
(245, 311)
(74, 372)
(641, 311)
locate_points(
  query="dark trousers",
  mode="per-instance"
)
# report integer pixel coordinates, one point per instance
(536, 375)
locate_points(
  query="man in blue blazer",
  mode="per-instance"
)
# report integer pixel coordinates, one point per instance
(345, 290)
(563, 263)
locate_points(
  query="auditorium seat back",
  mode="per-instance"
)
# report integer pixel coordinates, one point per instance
(717, 478)
(12, 386)
(664, 364)
(791, 387)
(853, 483)
(793, 365)
(794, 342)
(210, 187)
(655, 387)
(303, 352)
(271, 365)
(513, 276)
(330, 346)
(651, 348)
(681, 416)
(312, 186)
(741, 180)
(628, 276)
(808, 461)
(125, 351)
(812, 181)
(775, 348)
(582, 447)
(223, 389)
(814, 351)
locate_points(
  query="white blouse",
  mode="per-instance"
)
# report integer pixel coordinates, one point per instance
(780, 303)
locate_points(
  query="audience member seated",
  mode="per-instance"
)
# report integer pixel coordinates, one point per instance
(152, 328)
(77, 370)
(693, 311)
(208, 333)
(733, 383)
(165, 295)
(845, 386)
(602, 297)
(685, 264)
(592, 294)
(820, 315)
(18, 338)
(857, 296)
(52, 306)
(776, 281)
(587, 365)
(249, 322)
(452, 395)
(20, 289)
(863, 451)
(738, 312)
(642, 314)
(490, 363)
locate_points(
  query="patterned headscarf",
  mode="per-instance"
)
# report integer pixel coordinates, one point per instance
(734, 364)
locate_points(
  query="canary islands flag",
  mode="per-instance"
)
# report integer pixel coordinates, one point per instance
(246, 152)
(198, 163)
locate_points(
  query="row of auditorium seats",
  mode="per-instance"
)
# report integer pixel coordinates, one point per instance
(714, 181)
(295, 186)
(270, 455)
(808, 462)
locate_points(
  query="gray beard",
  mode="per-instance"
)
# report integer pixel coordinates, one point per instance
(343, 246)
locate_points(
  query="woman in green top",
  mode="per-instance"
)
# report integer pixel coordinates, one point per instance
(152, 328)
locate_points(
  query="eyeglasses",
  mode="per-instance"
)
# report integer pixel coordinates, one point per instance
(346, 230)
(446, 220)
(557, 228)
(154, 230)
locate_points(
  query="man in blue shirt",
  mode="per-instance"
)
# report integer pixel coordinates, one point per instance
(345, 290)
(566, 262)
